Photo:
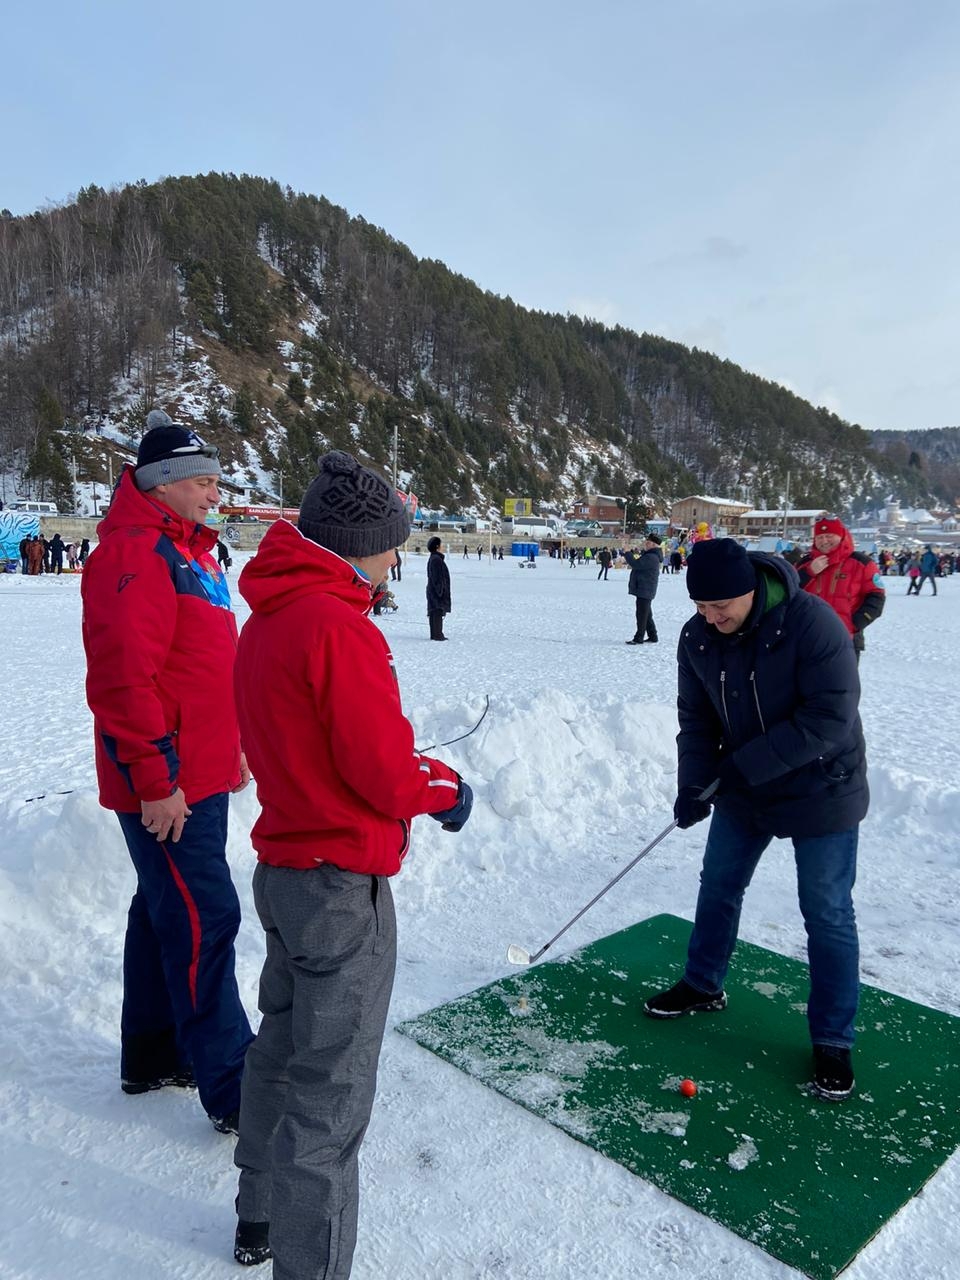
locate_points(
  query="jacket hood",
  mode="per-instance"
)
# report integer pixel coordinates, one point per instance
(288, 565)
(778, 568)
(842, 551)
(129, 508)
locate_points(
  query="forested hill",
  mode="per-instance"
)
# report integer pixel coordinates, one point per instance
(281, 326)
(932, 456)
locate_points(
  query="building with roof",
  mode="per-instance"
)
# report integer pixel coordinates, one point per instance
(792, 526)
(719, 513)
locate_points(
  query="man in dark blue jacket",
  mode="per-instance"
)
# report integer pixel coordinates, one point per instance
(768, 703)
(644, 580)
(928, 569)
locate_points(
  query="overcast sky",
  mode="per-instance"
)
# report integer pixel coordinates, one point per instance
(775, 181)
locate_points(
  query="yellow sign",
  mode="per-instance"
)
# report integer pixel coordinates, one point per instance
(518, 506)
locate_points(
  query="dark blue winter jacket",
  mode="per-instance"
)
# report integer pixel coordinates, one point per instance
(644, 572)
(780, 699)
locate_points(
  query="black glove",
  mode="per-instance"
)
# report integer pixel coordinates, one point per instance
(689, 809)
(455, 818)
(730, 777)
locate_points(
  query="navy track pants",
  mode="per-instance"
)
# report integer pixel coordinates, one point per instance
(181, 1005)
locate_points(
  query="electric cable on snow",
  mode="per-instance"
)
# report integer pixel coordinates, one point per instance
(433, 747)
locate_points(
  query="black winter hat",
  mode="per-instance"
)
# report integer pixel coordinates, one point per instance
(351, 510)
(719, 569)
(169, 453)
(652, 537)
(434, 544)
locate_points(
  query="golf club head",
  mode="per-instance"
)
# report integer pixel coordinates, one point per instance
(517, 955)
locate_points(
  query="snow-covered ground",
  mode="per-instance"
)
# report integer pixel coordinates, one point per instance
(573, 769)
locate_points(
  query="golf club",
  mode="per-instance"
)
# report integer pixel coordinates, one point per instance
(517, 955)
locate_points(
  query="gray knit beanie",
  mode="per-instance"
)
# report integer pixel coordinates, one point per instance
(351, 510)
(169, 453)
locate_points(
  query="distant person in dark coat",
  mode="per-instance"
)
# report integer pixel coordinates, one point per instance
(606, 560)
(438, 588)
(56, 554)
(84, 551)
(24, 555)
(223, 555)
(396, 569)
(644, 580)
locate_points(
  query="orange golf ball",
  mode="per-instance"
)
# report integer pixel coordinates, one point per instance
(688, 1088)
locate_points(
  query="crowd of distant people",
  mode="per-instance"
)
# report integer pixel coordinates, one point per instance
(47, 555)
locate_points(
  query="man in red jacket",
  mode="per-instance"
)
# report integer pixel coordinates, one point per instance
(848, 580)
(340, 781)
(160, 641)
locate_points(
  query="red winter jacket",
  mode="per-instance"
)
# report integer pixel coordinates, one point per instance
(850, 583)
(323, 730)
(159, 657)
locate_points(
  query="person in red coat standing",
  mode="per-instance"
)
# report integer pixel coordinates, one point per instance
(340, 781)
(848, 580)
(160, 640)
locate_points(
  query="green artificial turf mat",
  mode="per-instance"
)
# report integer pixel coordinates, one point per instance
(808, 1181)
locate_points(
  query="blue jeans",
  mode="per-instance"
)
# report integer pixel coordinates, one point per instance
(826, 871)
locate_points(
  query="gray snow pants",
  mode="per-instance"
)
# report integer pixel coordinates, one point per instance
(310, 1075)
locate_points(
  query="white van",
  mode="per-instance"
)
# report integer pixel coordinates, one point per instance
(36, 508)
(531, 527)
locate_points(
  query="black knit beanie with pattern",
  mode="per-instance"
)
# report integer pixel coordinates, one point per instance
(351, 510)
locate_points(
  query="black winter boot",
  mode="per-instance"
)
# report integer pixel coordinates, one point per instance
(681, 999)
(832, 1072)
(183, 1079)
(152, 1060)
(251, 1245)
(227, 1124)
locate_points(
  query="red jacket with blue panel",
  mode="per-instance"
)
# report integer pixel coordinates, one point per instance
(337, 773)
(160, 640)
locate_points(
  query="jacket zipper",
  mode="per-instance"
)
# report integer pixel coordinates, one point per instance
(723, 698)
(756, 699)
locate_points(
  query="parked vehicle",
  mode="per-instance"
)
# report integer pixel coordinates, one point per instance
(447, 526)
(35, 508)
(525, 528)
